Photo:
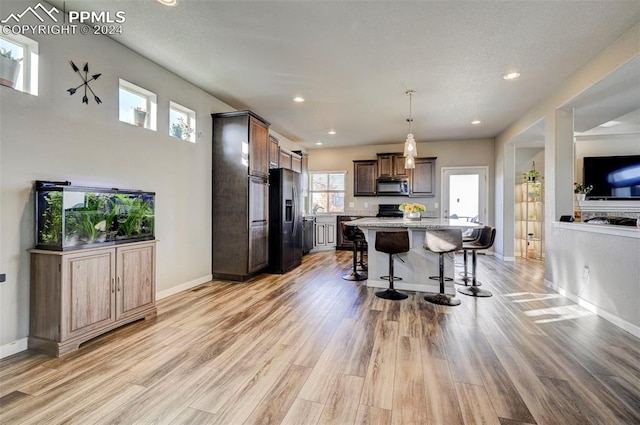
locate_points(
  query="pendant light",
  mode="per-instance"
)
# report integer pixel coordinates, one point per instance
(410, 149)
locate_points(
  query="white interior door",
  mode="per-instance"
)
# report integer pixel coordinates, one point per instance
(464, 193)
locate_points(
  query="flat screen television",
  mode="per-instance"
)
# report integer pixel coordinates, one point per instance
(613, 177)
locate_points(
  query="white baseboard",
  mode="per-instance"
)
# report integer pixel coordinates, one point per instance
(183, 287)
(13, 347)
(503, 258)
(621, 323)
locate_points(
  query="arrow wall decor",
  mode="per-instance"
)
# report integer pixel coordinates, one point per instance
(85, 83)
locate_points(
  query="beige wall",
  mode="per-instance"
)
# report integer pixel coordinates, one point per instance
(450, 153)
(55, 136)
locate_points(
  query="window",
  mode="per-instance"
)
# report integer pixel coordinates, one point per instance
(182, 122)
(137, 105)
(25, 51)
(327, 191)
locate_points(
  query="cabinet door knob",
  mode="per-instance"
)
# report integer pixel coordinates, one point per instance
(118, 283)
(113, 285)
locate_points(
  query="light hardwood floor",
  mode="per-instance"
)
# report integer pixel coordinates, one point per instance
(310, 348)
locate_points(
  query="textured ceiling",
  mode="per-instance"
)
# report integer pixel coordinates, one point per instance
(353, 60)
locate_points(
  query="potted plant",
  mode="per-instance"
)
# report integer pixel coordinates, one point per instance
(181, 129)
(581, 190)
(139, 116)
(9, 68)
(531, 175)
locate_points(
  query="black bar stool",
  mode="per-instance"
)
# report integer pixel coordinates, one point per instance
(485, 241)
(355, 235)
(468, 238)
(442, 241)
(392, 243)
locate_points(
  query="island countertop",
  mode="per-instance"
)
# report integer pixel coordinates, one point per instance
(425, 223)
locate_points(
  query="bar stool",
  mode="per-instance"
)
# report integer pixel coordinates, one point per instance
(392, 243)
(485, 241)
(442, 241)
(468, 238)
(355, 235)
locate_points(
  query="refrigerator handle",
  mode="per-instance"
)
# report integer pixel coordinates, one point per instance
(295, 211)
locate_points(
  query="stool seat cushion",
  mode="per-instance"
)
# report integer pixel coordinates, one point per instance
(392, 242)
(352, 233)
(484, 241)
(443, 240)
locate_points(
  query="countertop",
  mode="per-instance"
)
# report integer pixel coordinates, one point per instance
(425, 223)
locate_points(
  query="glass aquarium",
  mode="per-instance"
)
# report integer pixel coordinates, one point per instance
(72, 217)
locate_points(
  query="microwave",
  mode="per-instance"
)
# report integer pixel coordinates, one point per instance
(393, 186)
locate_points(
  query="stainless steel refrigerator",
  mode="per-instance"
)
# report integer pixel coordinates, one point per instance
(285, 220)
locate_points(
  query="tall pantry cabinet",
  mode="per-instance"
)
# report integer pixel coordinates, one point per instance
(240, 198)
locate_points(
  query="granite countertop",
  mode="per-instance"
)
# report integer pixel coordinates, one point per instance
(428, 223)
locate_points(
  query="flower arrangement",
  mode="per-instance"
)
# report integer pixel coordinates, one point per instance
(411, 208)
(581, 188)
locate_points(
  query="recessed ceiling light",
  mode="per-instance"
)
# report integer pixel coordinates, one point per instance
(168, 2)
(332, 132)
(319, 143)
(476, 122)
(298, 99)
(511, 76)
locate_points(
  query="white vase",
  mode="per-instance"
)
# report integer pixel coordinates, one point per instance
(415, 216)
(580, 197)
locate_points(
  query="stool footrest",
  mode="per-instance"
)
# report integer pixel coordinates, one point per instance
(387, 278)
(446, 279)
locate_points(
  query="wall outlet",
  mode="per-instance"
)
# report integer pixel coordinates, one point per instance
(585, 273)
(366, 205)
(352, 204)
(435, 205)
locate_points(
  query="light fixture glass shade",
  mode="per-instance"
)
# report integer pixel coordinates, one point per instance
(410, 148)
(409, 162)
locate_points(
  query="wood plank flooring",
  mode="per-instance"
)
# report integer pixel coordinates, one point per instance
(310, 348)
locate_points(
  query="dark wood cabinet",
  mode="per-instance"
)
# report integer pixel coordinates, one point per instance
(258, 148)
(240, 192)
(391, 165)
(364, 177)
(274, 152)
(423, 178)
(304, 170)
(290, 160)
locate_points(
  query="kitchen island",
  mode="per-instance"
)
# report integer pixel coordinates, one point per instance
(415, 266)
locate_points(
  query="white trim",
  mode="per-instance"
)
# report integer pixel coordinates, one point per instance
(609, 206)
(604, 229)
(13, 347)
(621, 323)
(183, 287)
(468, 170)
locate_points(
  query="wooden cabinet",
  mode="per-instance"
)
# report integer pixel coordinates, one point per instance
(290, 160)
(78, 295)
(325, 233)
(274, 152)
(304, 170)
(391, 165)
(341, 242)
(258, 148)
(258, 224)
(240, 195)
(364, 177)
(530, 220)
(423, 178)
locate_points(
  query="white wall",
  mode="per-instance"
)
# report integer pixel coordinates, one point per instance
(450, 153)
(559, 167)
(54, 136)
